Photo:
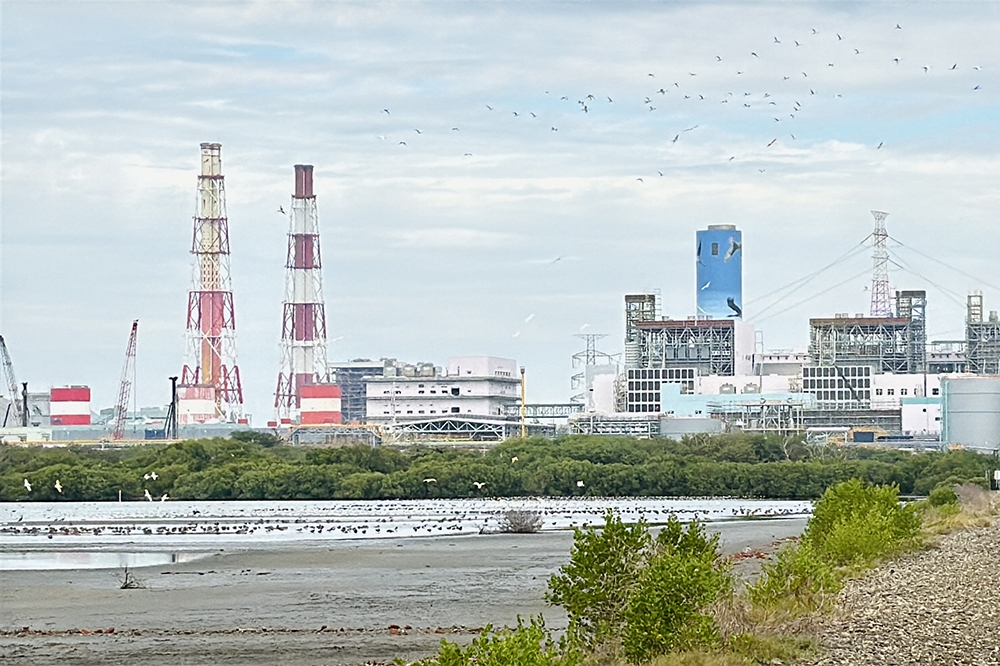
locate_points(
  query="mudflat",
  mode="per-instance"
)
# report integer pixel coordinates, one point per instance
(342, 604)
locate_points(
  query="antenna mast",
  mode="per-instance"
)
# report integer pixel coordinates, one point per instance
(881, 305)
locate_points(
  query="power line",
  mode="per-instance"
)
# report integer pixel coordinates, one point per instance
(802, 302)
(935, 259)
(806, 280)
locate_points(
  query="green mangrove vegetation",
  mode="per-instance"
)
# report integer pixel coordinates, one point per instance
(257, 466)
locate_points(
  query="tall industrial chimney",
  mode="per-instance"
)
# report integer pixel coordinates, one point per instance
(210, 385)
(303, 329)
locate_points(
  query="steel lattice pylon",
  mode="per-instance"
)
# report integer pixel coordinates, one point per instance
(303, 328)
(211, 316)
(881, 304)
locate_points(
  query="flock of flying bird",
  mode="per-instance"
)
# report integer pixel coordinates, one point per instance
(796, 91)
(148, 476)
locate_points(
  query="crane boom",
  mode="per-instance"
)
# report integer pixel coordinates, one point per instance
(12, 386)
(121, 409)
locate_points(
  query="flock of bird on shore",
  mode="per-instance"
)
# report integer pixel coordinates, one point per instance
(358, 520)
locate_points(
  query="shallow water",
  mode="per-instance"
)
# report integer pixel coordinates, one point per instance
(115, 534)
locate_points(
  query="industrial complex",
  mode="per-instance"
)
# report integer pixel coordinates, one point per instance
(863, 378)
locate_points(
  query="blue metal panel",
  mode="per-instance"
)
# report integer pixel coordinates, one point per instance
(720, 272)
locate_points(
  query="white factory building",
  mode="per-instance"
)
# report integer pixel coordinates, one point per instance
(477, 386)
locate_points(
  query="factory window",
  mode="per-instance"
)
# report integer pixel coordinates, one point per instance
(420, 412)
(420, 392)
(903, 391)
(433, 412)
(878, 391)
(935, 391)
(386, 412)
(715, 249)
(420, 385)
(409, 411)
(890, 391)
(385, 392)
(455, 410)
(455, 390)
(433, 391)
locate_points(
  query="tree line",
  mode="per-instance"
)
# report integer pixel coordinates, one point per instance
(258, 466)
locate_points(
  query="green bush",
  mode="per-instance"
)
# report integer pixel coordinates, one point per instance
(667, 607)
(651, 595)
(525, 645)
(595, 585)
(854, 524)
(942, 495)
(796, 577)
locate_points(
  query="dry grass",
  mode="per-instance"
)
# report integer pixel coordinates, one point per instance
(976, 508)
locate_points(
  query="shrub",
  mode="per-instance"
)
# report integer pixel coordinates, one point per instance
(796, 579)
(525, 645)
(651, 595)
(594, 586)
(666, 610)
(854, 524)
(521, 522)
(942, 495)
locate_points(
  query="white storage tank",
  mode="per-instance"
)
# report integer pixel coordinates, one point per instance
(970, 412)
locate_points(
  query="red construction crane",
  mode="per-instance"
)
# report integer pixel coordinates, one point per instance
(15, 400)
(121, 409)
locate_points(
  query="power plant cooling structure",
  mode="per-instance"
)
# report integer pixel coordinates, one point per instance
(210, 387)
(720, 272)
(303, 328)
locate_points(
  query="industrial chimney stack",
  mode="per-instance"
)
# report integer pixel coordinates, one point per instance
(303, 329)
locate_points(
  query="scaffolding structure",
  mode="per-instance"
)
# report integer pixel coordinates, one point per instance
(707, 345)
(352, 378)
(546, 411)
(982, 338)
(454, 428)
(783, 417)
(884, 343)
(640, 426)
(912, 305)
(638, 308)
(211, 316)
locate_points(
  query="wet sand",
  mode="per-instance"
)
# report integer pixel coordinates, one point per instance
(331, 604)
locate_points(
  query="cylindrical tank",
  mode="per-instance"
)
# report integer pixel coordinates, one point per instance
(970, 412)
(719, 258)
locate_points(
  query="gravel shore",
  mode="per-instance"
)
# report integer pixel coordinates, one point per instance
(936, 606)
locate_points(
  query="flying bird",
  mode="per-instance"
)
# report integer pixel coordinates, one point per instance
(57, 486)
(386, 111)
(706, 285)
(640, 180)
(402, 143)
(479, 484)
(718, 58)
(533, 114)
(417, 131)
(677, 136)
(514, 459)
(147, 495)
(839, 38)
(976, 88)
(491, 108)
(554, 129)
(899, 27)
(529, 317)
(164, 498)
(27, 485)
(955, 66)
(878, 146)
(430, 480)
(754, 54)
(579, 484)
(691, 128)
(454, 129)
(772, 142)
(281, 209)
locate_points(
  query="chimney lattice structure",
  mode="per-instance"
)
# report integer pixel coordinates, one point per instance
(303, 327)
(211, 317)
(881, 305)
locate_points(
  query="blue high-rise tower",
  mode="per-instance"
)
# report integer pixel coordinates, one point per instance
(720, 272)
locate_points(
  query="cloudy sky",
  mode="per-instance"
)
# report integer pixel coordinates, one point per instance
(512, 199)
